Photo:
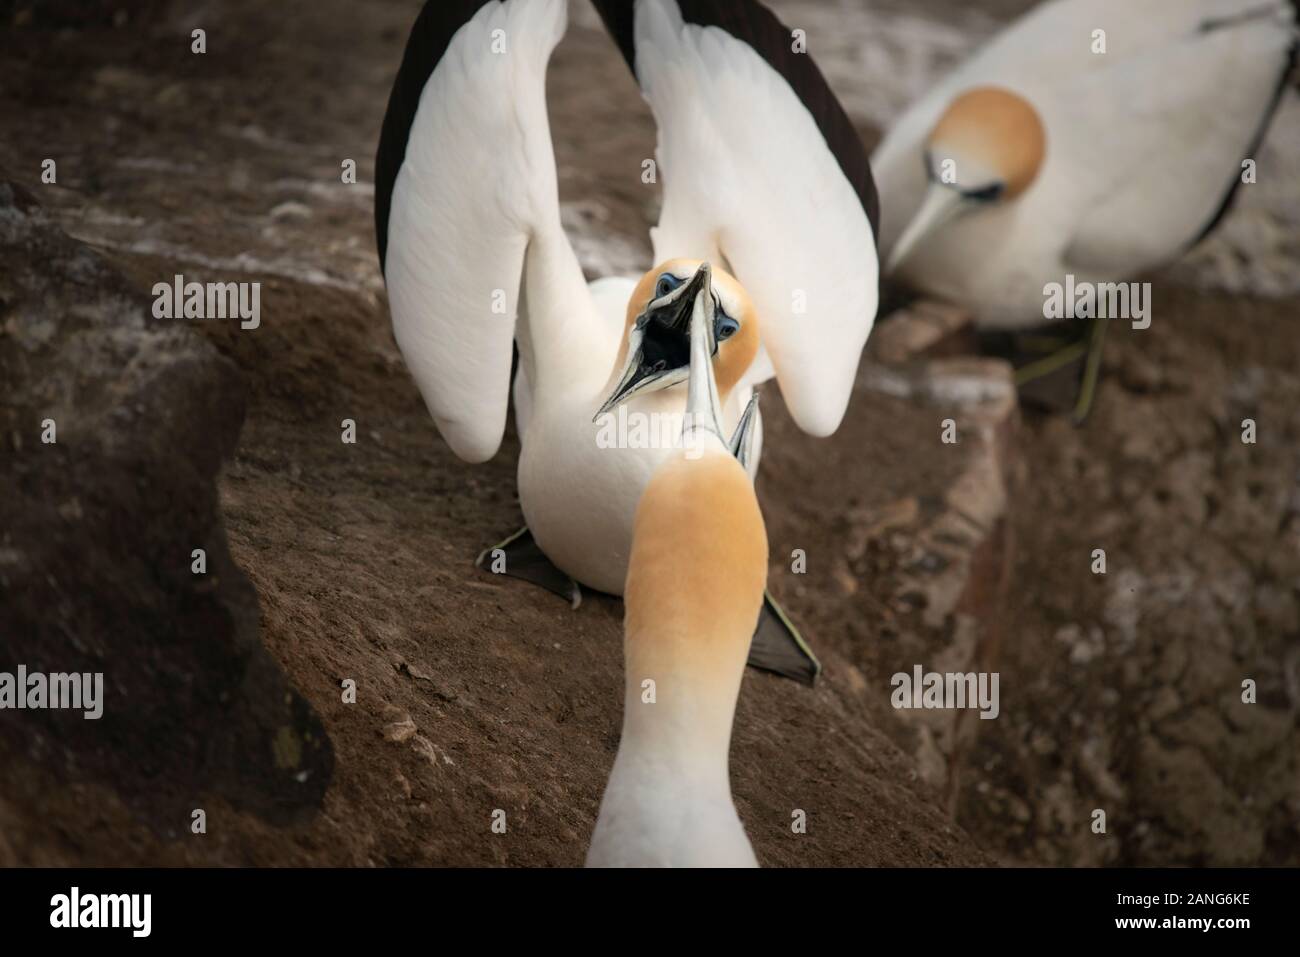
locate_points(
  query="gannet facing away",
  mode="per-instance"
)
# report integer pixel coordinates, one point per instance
(694, 590)
(763, 178)
(1040, 158)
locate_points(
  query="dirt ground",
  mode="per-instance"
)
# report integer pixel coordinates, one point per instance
(1119, 691)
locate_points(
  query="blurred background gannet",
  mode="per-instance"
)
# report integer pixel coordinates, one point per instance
(1042, 157)
(763, 177)
(694, 590)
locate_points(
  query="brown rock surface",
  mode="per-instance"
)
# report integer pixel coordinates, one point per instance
(113, 428)
(474, 693)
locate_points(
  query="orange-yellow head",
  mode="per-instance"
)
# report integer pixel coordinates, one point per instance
(656, 350)
(987, 148)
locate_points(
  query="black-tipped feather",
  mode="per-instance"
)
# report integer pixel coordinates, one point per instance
(1265, 121)
(430, 37)
(752, 23)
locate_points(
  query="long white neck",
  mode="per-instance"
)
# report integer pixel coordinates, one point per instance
(668, 801)
(679, 726)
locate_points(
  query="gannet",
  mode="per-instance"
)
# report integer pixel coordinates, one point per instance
(694, 590)
(1041, 158)
(763, 178)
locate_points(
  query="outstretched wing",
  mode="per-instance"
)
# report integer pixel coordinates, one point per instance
(464, 183)
(762, 167)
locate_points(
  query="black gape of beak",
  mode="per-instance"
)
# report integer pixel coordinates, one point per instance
(659, 343)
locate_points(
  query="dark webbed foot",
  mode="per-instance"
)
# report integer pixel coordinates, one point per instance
(778, 647)
(519, 557)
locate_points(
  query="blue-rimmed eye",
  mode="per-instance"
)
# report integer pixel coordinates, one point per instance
(725, 327)
(667, 283)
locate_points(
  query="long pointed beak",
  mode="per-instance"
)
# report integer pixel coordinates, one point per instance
(940, 205)
(742, 440)
(702, 407)
(659, 344)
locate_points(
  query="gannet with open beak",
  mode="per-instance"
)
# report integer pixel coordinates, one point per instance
(694, 589)
(763, 179)
(559, 462)
(1041, 158)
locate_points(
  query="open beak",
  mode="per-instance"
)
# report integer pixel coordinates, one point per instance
(940, 205)
(659, 344)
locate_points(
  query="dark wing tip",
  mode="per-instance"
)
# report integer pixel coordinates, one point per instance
(619, 17)
(430, 36)
(751, 22)
(1266, 120)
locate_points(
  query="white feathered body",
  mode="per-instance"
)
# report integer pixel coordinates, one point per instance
(477, 260)
(1144, 142)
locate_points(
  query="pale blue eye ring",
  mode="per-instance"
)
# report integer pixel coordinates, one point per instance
(667, 283)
